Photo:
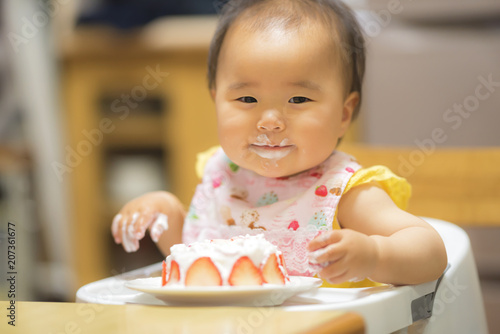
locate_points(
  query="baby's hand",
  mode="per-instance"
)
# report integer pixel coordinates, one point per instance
(130, 224)
(345, 255)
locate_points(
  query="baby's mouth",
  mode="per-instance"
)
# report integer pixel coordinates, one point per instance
(270, 151)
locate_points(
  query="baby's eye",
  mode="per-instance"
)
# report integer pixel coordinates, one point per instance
(247, 99)
(299, 99)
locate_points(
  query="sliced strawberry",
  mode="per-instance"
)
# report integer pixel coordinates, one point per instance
(163, 273)
(203, 272)
(271, 271)
(283, 264)
(281, 260)
(244, 272)
(174, 273)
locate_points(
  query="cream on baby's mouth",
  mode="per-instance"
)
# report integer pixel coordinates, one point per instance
(272, 152)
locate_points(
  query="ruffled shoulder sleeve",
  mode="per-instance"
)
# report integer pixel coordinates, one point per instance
(202, 159)
(396, 187)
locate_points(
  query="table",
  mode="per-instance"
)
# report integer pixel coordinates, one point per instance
(73, 318)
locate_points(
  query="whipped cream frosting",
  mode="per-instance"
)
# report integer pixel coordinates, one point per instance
(223, 253)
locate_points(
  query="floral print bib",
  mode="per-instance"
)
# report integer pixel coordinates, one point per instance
(289, 211)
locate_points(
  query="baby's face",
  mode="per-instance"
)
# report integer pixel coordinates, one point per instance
(280, 99)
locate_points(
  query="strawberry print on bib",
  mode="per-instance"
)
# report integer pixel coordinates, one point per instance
(289, 211)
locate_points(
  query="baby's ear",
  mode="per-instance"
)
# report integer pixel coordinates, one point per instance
(212, 93)
(350, 104)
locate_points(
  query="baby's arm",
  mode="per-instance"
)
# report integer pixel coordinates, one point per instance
(146, 212)
(380, 241)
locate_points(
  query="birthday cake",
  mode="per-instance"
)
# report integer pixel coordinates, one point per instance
(243, 260)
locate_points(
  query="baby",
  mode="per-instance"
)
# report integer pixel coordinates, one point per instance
(286, 79)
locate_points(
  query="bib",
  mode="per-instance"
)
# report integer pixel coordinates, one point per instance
(289, 211)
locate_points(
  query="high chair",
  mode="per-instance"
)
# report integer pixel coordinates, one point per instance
(459, 186)
(452, 304)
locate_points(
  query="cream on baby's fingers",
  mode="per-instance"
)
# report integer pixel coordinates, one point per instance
(115, 226)
(313, 256)
(132, 229)
(129, 240)
(159, 226)
(313, 262)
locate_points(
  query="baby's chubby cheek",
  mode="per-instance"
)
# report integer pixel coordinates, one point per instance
(238, 153)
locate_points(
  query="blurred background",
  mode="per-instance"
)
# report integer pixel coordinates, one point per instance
(104, 100)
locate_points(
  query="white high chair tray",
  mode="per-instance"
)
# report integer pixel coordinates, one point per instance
(385, 309)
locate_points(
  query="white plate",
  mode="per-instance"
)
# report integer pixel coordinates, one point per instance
(265, 295)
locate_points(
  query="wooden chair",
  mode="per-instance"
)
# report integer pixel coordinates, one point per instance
(460, 185)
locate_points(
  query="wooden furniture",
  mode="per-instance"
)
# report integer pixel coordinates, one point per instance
(461, 186)
(38, 317)
(139, 91)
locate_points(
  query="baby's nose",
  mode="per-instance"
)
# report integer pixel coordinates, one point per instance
(271, 120)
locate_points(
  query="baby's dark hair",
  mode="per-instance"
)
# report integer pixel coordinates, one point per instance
(337, 17)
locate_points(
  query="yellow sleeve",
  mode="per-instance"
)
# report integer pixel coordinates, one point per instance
(202, 158)
(396, 187)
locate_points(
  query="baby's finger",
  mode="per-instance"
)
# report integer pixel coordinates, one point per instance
(324, 239)
(336, 278)
(130, 245)
(116, 228)
(330, 253)
(131, 226)
(335, 272)
(159, 226)
(129, 242)
(143, 223)
(123, 232)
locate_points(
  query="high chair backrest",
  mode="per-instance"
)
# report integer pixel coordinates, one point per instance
(459, 185)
